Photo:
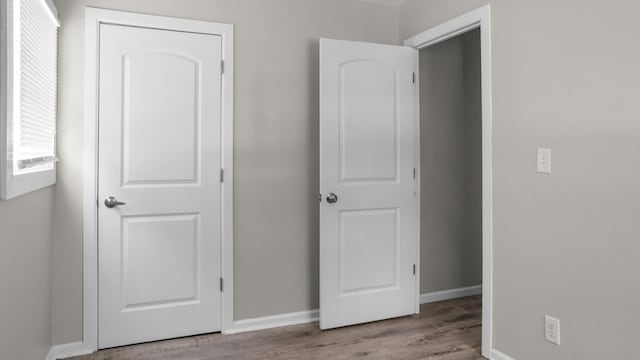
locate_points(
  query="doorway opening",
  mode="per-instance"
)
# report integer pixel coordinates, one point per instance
(451, 174)
(455, 163)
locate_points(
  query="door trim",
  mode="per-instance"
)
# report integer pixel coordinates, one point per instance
(93, 18)
(477, 19)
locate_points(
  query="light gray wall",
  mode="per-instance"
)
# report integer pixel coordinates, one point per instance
(25, 276)
(473, 144)
(276, 143)
(451, 164)
(565, 76)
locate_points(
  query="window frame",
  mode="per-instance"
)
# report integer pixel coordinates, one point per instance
(12, 184)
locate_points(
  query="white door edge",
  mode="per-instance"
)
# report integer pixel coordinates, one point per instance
(476, 19)
(93, 18)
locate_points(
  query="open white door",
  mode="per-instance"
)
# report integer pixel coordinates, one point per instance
(159, 154)
(369, 205)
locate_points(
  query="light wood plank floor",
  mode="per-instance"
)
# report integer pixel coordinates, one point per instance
(447, 330)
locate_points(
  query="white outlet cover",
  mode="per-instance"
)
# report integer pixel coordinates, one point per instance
(552, 329)
(543, 164)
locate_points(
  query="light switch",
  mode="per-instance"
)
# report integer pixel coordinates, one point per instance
(544, 161)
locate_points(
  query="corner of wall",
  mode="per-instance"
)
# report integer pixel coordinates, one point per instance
(497, 355)
(68, 350)
(399, 38)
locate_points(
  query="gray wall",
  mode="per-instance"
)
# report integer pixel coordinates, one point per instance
(565, 76)
(451, 164)
(25, 276)
(276, 143)
(566, 244)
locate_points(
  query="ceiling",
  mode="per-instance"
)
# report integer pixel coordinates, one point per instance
(387, 2)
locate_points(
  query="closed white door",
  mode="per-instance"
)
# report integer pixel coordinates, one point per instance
(369, 207)
(159, 152)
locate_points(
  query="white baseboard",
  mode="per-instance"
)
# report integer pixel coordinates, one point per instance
(303, 317)
(68, 350)
(497, 355)
(268, 322)
(450, 294)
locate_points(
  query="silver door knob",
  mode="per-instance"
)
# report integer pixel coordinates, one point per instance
(332, 198)
(112, 202)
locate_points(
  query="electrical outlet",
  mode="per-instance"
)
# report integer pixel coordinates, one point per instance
(544, 161)
(552, 330)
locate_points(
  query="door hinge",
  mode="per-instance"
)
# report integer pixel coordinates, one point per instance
(414, 173)
(221, 175)
(414, 78)
(97, 202)
(221, 284)
(414, 269)
(221, 67)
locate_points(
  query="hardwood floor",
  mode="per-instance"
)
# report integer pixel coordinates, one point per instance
(447, 330)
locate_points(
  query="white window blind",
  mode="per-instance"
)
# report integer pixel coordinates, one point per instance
(35, 129)
(28, 84)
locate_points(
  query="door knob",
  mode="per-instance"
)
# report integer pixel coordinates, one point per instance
(332, 198)
(112, 202)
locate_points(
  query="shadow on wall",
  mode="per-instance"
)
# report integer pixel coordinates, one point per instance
(313, 138)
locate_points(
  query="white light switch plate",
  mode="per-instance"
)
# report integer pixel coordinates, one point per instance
(544, 161)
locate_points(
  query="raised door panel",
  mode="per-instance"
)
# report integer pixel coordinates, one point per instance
(376, 268)
(368, 122)
(160, 261)
(161, 119)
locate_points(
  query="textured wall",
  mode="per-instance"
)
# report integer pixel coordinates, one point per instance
(25, 276)
(565, 76)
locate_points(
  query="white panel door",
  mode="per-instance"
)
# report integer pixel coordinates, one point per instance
(159, 152)
(368, 209)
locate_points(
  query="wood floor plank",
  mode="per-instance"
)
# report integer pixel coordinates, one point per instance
(447, 330)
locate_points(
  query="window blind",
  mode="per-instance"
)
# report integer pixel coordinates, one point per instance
(35, 128)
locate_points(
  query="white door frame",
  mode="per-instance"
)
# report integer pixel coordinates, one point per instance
(93, 18)
(480, 18)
